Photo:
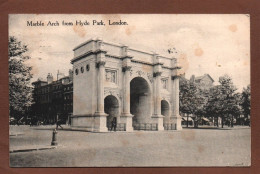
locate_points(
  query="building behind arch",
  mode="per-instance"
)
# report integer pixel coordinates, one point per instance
(52, 98)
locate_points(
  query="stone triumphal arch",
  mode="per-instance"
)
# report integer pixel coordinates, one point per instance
(140, 89)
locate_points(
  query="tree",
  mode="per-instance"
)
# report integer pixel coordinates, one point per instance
(223, 100)
(245, 101)
(191, 99)
(20, 92)
(212, 108)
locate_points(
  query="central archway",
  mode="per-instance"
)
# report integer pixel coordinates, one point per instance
(140, 101)
(111, 108)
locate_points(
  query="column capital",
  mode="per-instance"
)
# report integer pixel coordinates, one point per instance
(126, 68)
(176, 67)
(127, 57)
(176, 77)
(155, 55)
(100, 51)
(158, 63)
(155, 74)
(100, 63)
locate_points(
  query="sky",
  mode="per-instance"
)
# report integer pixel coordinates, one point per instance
(212, 44)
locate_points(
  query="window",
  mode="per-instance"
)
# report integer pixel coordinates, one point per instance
(76, 71)
(111, 76)
(82, 69)
(87, 67)
(165, 83)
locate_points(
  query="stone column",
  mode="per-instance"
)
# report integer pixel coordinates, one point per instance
(176, 118)
(100, 115)
(100, 87)
(158, 118)
(126, 107)
(126, 116)
(157, 93)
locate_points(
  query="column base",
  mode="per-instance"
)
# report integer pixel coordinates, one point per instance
(159, 120)
(127, 119)
(101, 114)
(176, 120)
(100, 122)
(92, 123)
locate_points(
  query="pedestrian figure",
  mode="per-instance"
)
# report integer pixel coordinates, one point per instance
(58, 123)
(113, 124)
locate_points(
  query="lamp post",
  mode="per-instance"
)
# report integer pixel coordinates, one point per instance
(54, 141)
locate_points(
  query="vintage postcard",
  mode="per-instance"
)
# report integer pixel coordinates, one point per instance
(129, 90)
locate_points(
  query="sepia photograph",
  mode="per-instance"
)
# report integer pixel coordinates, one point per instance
(129, 90)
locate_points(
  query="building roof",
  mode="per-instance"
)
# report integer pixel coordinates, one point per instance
(65, 77)
(201, 77)
(38, 81)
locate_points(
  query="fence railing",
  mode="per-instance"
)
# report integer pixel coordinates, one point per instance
(119, 127)
(146, 126)
(169, 126)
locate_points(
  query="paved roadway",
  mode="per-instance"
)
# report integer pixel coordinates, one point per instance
(189, 147)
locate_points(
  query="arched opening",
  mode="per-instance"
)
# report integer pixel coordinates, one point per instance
(165, 108)
(140, 101)
(111, 108)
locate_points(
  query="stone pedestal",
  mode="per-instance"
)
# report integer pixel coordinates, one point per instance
(127, 119)
(100, 122)
(158, 119)
(176, 121)
(93, 123)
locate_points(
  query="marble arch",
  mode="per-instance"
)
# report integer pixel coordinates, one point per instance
(108, 70)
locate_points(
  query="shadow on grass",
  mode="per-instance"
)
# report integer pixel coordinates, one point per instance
(66, 129)
(217, 128)
(209, 128)
(81, 130)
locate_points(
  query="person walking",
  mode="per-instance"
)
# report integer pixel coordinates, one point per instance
(58, 123)
(113, 124)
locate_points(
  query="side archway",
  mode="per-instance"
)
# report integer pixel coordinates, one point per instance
(165, 111)
(111, 108)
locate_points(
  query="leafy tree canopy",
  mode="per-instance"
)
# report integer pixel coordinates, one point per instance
(223, 99)
(20, 92)
(191, 98)
(245, 101)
